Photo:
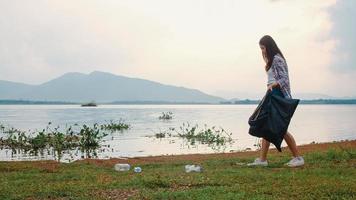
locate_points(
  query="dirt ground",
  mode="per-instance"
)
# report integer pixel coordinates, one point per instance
(196, 158)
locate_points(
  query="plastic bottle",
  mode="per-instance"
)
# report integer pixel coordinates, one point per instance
(122, 167)
(137, 169)
(193, 168)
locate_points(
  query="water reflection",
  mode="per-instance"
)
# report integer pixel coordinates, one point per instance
(318, 123)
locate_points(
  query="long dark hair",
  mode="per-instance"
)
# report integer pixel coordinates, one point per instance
(271, 49)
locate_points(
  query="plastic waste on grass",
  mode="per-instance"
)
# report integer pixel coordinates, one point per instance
(193, 168)
(122, 167)
(137, 169)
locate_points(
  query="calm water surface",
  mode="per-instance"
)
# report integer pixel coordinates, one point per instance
(319, 123)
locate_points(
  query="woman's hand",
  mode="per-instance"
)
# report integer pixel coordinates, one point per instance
(271, 86)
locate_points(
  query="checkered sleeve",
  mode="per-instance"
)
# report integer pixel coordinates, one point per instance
(280, 71)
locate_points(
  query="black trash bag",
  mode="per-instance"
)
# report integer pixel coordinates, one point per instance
(271, 118)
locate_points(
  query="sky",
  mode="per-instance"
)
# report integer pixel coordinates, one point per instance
(210, 45)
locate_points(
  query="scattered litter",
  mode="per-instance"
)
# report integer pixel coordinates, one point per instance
(122, 167)
(193, 168)
(137, 169)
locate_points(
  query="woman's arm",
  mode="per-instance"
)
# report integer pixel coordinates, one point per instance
(280, 70)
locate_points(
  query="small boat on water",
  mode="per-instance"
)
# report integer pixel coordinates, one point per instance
(91, 104)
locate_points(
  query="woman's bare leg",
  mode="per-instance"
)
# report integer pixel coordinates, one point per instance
(264, 149)
(291, 144)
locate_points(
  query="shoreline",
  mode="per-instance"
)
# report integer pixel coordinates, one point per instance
(199, 157)
(240, 102)
(303, 149)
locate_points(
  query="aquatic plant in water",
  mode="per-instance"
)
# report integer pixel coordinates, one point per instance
(115, 126)
(39, 143)
(16, 140)
(90, 138)
(57, 140)
(213, 135)
(61, 141)
(164, 133)
(166, 116)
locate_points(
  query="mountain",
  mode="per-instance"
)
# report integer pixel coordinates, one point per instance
(12, 90)
(102, 87)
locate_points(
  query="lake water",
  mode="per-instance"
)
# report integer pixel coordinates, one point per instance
(319, 123)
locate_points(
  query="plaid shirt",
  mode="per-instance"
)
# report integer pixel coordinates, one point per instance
(280, 73)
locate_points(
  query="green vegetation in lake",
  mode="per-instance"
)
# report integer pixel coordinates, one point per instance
(165, 133)
(90, 138)
(115, 126)
(56, 141)
(166, 116)
(212, 136)
(49, 140)
(206, 135)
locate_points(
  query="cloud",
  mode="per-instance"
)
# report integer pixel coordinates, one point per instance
(344, 32)
(208, 45)
(43, 39)
(342, 65)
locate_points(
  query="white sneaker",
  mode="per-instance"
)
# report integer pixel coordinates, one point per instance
(296, 162)
(258, 162)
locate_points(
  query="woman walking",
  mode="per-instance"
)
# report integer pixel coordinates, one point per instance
(278, 82)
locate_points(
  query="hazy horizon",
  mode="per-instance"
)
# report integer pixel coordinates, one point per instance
(239, 96)
(208, 45)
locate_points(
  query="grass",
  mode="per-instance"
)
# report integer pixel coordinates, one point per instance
(329, 173)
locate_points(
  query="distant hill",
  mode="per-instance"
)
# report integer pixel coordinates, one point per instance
(11, 90)
(102, 87)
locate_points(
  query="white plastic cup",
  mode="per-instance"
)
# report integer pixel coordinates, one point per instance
(137, 169)
(193, 168)
(121, 167)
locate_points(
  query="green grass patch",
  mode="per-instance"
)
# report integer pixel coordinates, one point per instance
(329, 174)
